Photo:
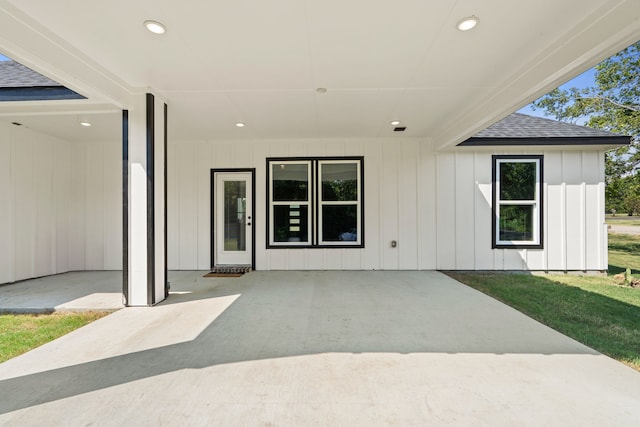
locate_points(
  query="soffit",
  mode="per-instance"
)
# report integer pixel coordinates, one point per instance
(261, 62)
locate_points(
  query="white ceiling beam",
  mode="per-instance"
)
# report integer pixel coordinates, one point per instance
(47, 108)
(29, 43)
(583, 46)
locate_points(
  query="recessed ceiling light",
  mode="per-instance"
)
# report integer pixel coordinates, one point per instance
(468, 23)
(240, 125)
(155, 27)
(395, 122)
(85, 123)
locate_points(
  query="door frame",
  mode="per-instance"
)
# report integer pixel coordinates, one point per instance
(212, 212)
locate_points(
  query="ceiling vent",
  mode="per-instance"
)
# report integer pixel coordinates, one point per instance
(400, 129)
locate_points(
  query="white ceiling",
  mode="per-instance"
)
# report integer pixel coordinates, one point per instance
(260, 62)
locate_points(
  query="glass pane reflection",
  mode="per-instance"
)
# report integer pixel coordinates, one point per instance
(235, 215)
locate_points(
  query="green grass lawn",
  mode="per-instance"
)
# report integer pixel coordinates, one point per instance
(622, 220)
(20, 333)
(594, 310)
(624, 252)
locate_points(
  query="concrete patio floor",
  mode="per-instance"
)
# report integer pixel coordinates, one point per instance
(318, 349)
(74, 291)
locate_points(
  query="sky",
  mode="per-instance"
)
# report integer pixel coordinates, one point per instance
(3, 58)
(585, 79)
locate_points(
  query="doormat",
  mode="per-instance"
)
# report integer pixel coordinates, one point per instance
(228, 271)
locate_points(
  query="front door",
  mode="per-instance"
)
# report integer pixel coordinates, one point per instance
(232, 218)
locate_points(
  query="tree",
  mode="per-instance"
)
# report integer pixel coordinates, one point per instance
(612, 104)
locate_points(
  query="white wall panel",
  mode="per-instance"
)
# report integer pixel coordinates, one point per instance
(514, 259)
(390, 204)
(437, 206)
(62, 196)
(173, 208)
(95, 208)
(465, 211)
(77, 208)
(554, 212)
(187, 194)
(408, 227)
(24, 203)
(259, 154)
(372, 204)
(7, 245)
(203, 199)
(94, 229)
(112, 205)
(594, 214)
(427, 227)
(44, 247)
(482, 217)
(446, 211)
(298, 259)
(575, 211)
(61, 201)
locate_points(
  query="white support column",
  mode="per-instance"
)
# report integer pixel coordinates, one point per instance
(144, 202)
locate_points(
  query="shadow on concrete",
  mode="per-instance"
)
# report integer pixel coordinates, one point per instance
(302, 313)
(71, 291)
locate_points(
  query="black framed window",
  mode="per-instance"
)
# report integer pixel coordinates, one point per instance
(315, 202)
(517, 201)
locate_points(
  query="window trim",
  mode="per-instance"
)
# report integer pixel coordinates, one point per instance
(315, 216)
(538, 226)
(272, 203)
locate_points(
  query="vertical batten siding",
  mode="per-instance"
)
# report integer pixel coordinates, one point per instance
(446, 211)
(96, 206)
(173, 206)
(93, 188)
(188, 207)
(371, 253)
(397, 198)
(390, 205)
(575, 209)
(482, 215)
(573, 214)
(594, 216)
(437, 206)
(51, 192)
(465, 236)
(426, 188)
(555, 239)
(203, 177)
(408, 209)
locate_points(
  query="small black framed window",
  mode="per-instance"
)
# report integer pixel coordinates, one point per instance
(517, 201)
(315, 202)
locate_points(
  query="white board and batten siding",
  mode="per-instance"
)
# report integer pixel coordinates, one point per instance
(60, 206)
(437, 206)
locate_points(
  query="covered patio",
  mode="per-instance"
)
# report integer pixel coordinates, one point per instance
(318, 348)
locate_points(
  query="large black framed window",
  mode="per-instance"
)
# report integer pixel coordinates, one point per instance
(315, 202)
(517, 201)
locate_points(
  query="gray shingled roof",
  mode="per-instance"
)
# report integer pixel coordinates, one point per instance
(519, 125)
(522, 129)
(13, 74)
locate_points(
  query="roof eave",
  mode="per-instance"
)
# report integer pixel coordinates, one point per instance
(546, 141)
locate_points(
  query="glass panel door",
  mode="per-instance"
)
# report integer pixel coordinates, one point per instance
(233, 222)
(235, 215)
